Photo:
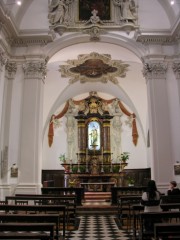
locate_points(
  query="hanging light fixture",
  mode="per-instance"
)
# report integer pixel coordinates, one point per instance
(172, 2)
(18, 3)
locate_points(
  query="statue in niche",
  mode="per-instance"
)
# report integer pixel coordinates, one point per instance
(127, 10)
(59, 11)
(93, 106)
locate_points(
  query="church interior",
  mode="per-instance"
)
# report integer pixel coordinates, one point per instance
(89, 99)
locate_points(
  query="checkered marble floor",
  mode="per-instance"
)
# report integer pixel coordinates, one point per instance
(99, 227)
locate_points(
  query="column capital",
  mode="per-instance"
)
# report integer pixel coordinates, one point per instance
(176, 68)
(3, 58)
(11, 68)
(155, 70)
(35, 69)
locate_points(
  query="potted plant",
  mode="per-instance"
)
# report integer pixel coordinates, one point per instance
(130, 181)
(62, 158)
(124, 157)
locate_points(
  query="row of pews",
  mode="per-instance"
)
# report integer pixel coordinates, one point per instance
(132, 216)
(37, 216)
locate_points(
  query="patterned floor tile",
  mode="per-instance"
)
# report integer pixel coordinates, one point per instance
(99, 227)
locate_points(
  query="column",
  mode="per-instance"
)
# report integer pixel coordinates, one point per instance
(159, 121)
(3, 60)
(31, 127)
(106, 139)
(175, 109)
(82, 139)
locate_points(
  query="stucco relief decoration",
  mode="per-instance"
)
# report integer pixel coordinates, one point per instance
(3, 58)
(83, 15)
(94, 67)
(155, 70)
(94, 104)
(176, 69)
(35, 69)
(11, 68)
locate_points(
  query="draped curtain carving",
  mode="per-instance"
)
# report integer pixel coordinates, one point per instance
(78, 102)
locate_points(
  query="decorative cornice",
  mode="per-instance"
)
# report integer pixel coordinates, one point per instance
(176, 69)
(25, 41)
(11, 68)
(35, 69)
(151, 39)
(166, 37)
(155, 70)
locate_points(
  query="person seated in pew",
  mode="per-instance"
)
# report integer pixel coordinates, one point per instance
(173, 189)
(151, 200)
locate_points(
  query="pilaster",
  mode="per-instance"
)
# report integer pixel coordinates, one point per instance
(31, 135)
(155, 73)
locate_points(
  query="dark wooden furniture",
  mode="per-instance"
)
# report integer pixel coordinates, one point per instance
(60, 209)
(145, 216)
(27, 231)
(169, 206)
(43, 199)
(170, 199)
(79, 192)
(52, 178)
(166, 231)
(95, 186)
(32, 218)
(125, 210)
(117, 192)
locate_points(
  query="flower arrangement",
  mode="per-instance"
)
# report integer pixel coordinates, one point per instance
(130, 180)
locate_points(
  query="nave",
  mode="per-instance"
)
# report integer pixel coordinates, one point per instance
(97, 220)
(97, 227)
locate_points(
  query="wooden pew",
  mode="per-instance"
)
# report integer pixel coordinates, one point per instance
(169, 206)
(166, 231)
(136, 209)
(78, 191)
(33, 218)
(170, 199)
(68, 200)
(164, 216)
(60, 209)
(117, 192)
(27, 231)
(125, 210)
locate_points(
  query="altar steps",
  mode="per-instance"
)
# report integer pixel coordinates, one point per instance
(97, 203)
(97, 196)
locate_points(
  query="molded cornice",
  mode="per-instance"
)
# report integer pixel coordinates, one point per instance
(162, 38)
(15, 38)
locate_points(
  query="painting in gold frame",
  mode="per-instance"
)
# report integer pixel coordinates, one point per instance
(87, 6)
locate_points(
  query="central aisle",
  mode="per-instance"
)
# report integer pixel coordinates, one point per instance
(99, 227)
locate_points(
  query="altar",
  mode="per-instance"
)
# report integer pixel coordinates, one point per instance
(94, 167)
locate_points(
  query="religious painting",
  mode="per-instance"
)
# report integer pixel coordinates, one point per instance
(87, 6)
(94, 135)
(177, 169)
